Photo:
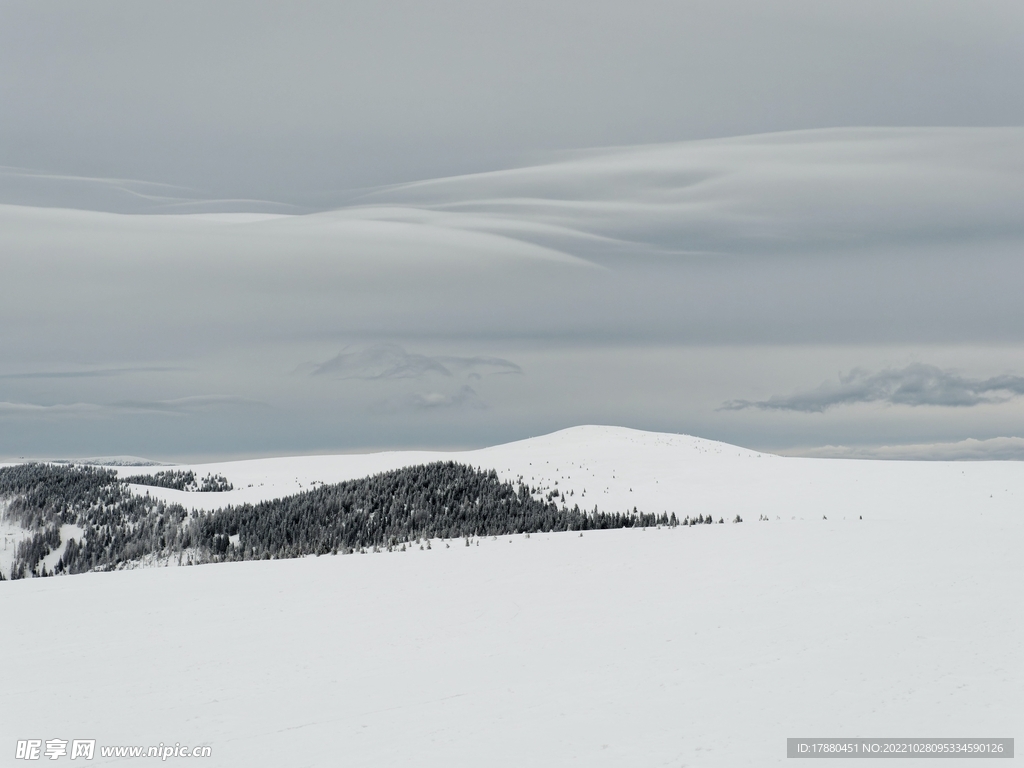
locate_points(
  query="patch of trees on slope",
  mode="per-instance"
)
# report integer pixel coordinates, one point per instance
(182, 480)
(441, 500)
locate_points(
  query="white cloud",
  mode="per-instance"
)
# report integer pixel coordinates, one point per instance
(60, 409)
(89, 373)
(775, 193)
(191, 404)
(181, 405)
(992, 449)
(464, 398)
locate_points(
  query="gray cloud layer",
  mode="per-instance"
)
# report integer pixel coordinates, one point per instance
(914, 385)
(603, 273)
(793, 237)
(391, 361)
(834, 237)
(239, 101)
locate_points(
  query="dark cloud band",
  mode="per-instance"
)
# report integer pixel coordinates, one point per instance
(914, 385)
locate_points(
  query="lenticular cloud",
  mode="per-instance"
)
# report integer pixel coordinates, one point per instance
(799, 191)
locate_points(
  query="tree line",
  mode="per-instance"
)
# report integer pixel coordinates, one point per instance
(442, 500)
(182, 480)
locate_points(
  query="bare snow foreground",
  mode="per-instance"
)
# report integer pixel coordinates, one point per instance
(692, 646)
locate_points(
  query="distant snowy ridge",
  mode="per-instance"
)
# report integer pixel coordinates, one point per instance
(96, 461)
(117, 461)
(610, 456)
(617, 469)
(992, 449)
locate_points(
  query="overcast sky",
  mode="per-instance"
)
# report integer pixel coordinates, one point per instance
(235, 228)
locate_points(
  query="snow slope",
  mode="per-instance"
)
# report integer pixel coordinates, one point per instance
(11, 535)
(617, 468)
(693, 646)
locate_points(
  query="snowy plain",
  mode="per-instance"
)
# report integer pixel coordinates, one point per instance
(877, 599)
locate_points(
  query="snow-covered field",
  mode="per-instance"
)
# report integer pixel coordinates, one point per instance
(690, 646)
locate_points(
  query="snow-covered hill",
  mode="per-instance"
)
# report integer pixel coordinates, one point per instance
(689, 646)
(617, 469)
